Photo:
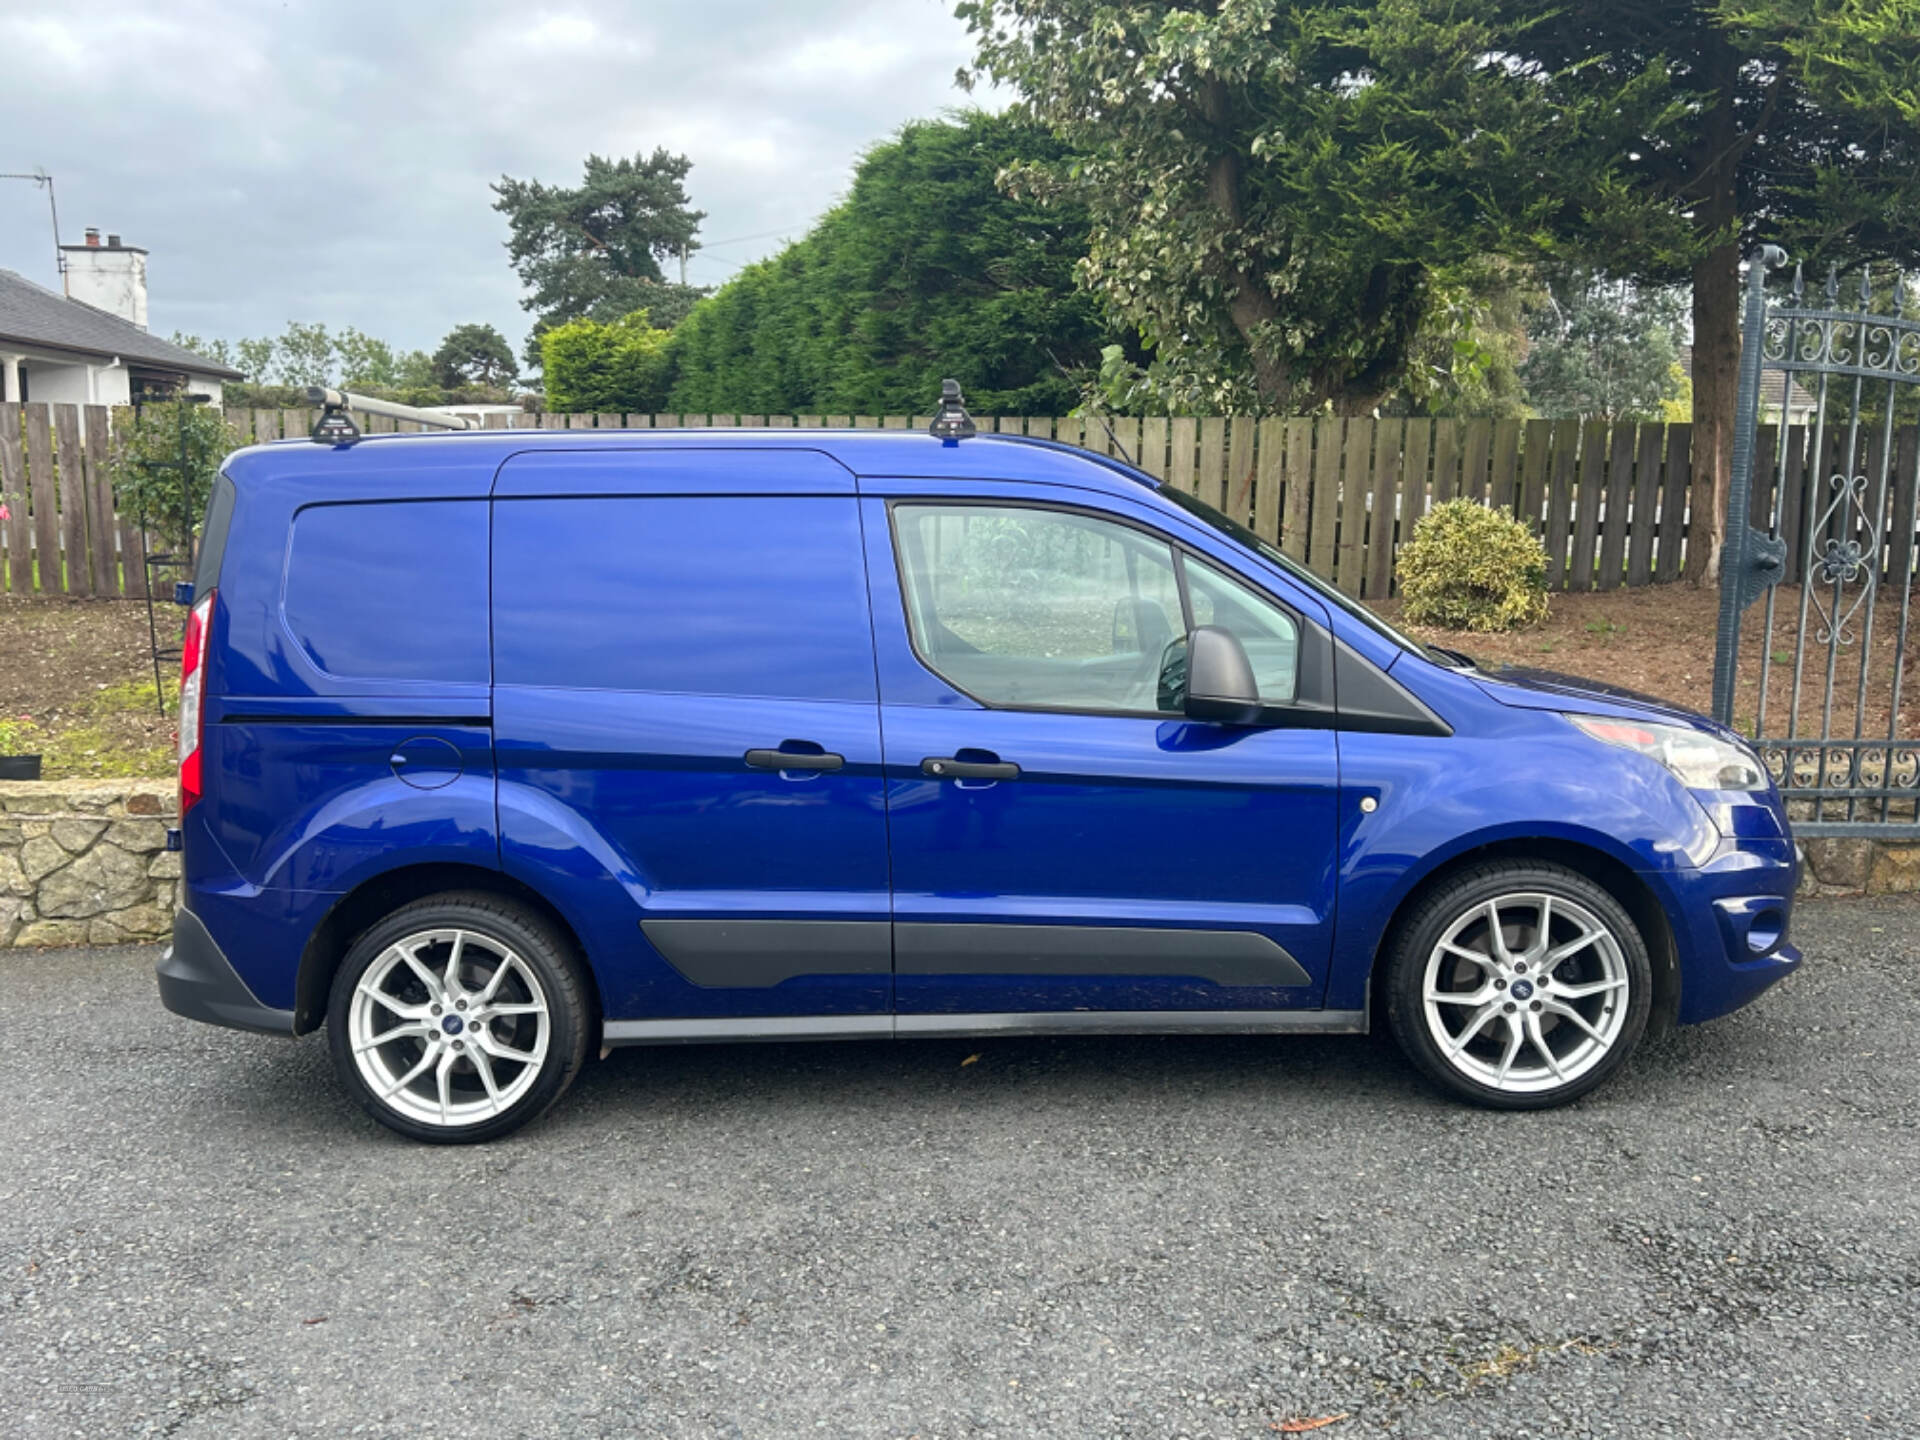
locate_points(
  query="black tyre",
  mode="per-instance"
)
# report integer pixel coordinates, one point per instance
(1519, 986)
(459, 1018)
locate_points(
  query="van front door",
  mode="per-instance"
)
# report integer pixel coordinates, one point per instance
(1063, 837)
(687, 730)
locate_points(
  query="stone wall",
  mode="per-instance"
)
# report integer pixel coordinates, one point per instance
(85, 862)
(1860, 867)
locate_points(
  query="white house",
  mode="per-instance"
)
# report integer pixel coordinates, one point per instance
(91, 346)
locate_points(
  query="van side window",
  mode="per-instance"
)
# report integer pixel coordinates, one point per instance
(696, 595)
(1023, 606)
(390, 589)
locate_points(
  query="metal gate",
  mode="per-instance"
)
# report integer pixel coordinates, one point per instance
(1821, 521)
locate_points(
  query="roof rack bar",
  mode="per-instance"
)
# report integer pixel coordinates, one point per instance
(342, 400)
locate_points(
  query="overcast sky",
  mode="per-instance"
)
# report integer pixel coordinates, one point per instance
(330, 162)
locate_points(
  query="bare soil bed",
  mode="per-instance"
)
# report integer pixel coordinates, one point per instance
(76, 686)
(1659, 641)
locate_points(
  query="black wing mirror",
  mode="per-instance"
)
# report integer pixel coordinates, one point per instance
(1220, 682)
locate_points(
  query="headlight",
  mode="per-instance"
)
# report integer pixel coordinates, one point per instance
(1700, 761)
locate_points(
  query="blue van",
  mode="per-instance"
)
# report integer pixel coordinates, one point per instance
(501, 748)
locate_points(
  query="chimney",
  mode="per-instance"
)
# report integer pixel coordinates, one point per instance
(110, 277)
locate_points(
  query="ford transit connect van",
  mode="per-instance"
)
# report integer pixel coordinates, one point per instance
(499, 748)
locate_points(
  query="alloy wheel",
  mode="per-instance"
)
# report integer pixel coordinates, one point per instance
(1526, 993)
(449, 1027)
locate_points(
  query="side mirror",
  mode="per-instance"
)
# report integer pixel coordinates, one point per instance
(1220, 682)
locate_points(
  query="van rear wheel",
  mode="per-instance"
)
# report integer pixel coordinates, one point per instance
(458, 1018)
(1519, 986)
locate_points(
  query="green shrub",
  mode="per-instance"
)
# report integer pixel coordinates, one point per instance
(619, 366)
(1471, 568)
(147, 477)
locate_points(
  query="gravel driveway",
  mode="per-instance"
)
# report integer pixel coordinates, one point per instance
(1096, 1237)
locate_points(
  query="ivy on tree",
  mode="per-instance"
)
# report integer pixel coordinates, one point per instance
(1277, 191)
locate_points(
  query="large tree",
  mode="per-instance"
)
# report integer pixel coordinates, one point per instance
(1278, 189)
(1790, 121)
(927, 270)
(474, 355)
(1602, 348)
(597, 249)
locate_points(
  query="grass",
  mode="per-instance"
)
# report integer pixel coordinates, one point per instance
(89, 743)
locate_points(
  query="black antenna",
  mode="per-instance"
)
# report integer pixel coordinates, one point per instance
(1098, 413)
(952, 424)
(41, 178)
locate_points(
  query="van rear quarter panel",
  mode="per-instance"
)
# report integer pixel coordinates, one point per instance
(348, 691)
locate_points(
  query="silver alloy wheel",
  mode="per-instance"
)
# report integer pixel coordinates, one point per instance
(1526, 992)
(449, 1027)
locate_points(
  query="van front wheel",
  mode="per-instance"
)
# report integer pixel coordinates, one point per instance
(458, 1018)
(1519, 986)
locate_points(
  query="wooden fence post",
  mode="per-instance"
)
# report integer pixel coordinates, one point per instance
(1533, 475)
(71, 468)
(1209, 477)
(1646, 493)
(1613, 533)
(1586, 515)
(46, 512)
(1351, 548)
(1566, 450)
(1386, 497)
(13, 493)
(99, 493)
(1236, 493)
(1506, 455)
(1183, 436)
(1446, 460)
(1297, 522)
(1328, 434)
(1269, 479)
(1413, 475)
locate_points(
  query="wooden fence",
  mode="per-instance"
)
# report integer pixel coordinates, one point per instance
(1610, 501)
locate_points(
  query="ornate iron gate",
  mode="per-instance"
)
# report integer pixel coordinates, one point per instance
(1821, 521)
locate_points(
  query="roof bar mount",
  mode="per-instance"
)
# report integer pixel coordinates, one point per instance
(335, 425)
(952, 424)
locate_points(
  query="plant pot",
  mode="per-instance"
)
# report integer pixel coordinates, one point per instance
(19, 767)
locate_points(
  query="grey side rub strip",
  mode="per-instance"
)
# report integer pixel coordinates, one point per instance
(1226, 957)
(1050, 1022)
(754, 954)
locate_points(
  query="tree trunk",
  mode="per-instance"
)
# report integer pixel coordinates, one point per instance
(1716, 383)
(1716, 314)
(1251, 308)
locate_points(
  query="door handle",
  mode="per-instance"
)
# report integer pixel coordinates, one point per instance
(794, 760)
(948, 767)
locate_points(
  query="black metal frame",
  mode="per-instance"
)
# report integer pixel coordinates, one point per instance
(1836, 785)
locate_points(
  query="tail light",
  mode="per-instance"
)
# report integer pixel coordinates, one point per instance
(193, 687)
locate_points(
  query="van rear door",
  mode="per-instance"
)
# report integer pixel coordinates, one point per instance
(687, 726)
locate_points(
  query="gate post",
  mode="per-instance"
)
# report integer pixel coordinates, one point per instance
(1738, 558)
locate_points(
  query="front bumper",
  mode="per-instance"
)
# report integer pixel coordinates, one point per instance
(1730, 920)
(197, 981)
